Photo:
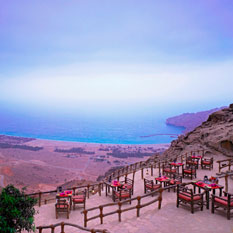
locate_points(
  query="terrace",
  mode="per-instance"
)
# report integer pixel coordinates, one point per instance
(151, 218)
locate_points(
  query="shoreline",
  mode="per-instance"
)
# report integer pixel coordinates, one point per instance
(55, 141)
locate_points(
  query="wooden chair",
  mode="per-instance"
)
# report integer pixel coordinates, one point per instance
(121, 194)
(62, 206)
(189, 171)
(168, 170)
(128, 184)
(79, 198)
(150, 186)
(186, 196)
(175, 180)
(192, 162)
(223, 202)
(207, 163)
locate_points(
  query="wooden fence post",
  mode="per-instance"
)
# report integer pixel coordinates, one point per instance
(142, 172)
(99, 189)
(62, 227)
(119, 211)
(138, 206)
(151, 172)
(52, 228)
(159, 169)
(226, 183)
(85, 218)
(39, 199)
(160, 198)
(40, 229)
(101, 214)
(88, 191)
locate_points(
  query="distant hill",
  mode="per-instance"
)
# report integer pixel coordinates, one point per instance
(215, 135)
(191, 120)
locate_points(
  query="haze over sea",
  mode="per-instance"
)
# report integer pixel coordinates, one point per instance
(103, 126)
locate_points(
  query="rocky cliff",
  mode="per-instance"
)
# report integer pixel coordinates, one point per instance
(191, 120)
(214, 136)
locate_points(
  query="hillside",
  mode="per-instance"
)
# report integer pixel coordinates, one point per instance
(191, 120)
(214, 136)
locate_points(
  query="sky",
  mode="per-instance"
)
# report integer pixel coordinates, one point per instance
(125, 52)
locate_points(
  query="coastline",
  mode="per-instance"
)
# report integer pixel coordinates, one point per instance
(40, 141)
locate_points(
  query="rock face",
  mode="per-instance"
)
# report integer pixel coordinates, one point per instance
(214, 136)
(191, 120)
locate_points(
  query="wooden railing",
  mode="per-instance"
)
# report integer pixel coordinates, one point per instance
(130, 169)
(46, 197)
(224, 163)
(63, 224)
(119, 209)
(226, 175)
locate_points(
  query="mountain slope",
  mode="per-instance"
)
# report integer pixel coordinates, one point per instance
(191, 120)
(214, 136)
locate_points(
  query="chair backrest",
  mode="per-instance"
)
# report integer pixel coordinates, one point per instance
(189, 167)
(176, 176)
(80, 193)
(129, 181)
(148, 182)
(61, 204)
(185, 190)
(211, 160)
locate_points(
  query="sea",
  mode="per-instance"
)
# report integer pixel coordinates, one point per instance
(132, 125)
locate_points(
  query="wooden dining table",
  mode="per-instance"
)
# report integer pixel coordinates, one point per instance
(112, 185)
(208, 187)
(163, 180)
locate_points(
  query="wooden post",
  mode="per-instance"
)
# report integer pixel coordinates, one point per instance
(138, 206)
(85, 218)
(159, 169)
(99, 189)
(88, 191)
(142, 172)
(45, 201)
(229, 165)
(119, 211)
(40, 199)
(52, 228)
(226, 183)
(151, 169)
(62, 227)
(160, 198)
(101, 214)
(40, 229)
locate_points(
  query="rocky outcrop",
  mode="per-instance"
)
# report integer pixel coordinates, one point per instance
(214, 136)
(191, 120)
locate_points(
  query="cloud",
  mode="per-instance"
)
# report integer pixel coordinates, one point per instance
(106, 83)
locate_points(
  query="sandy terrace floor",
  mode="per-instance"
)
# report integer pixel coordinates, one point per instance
(168, 219)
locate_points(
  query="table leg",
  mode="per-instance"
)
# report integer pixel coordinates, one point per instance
(106, 190)
(220, 191)
(207, 199)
